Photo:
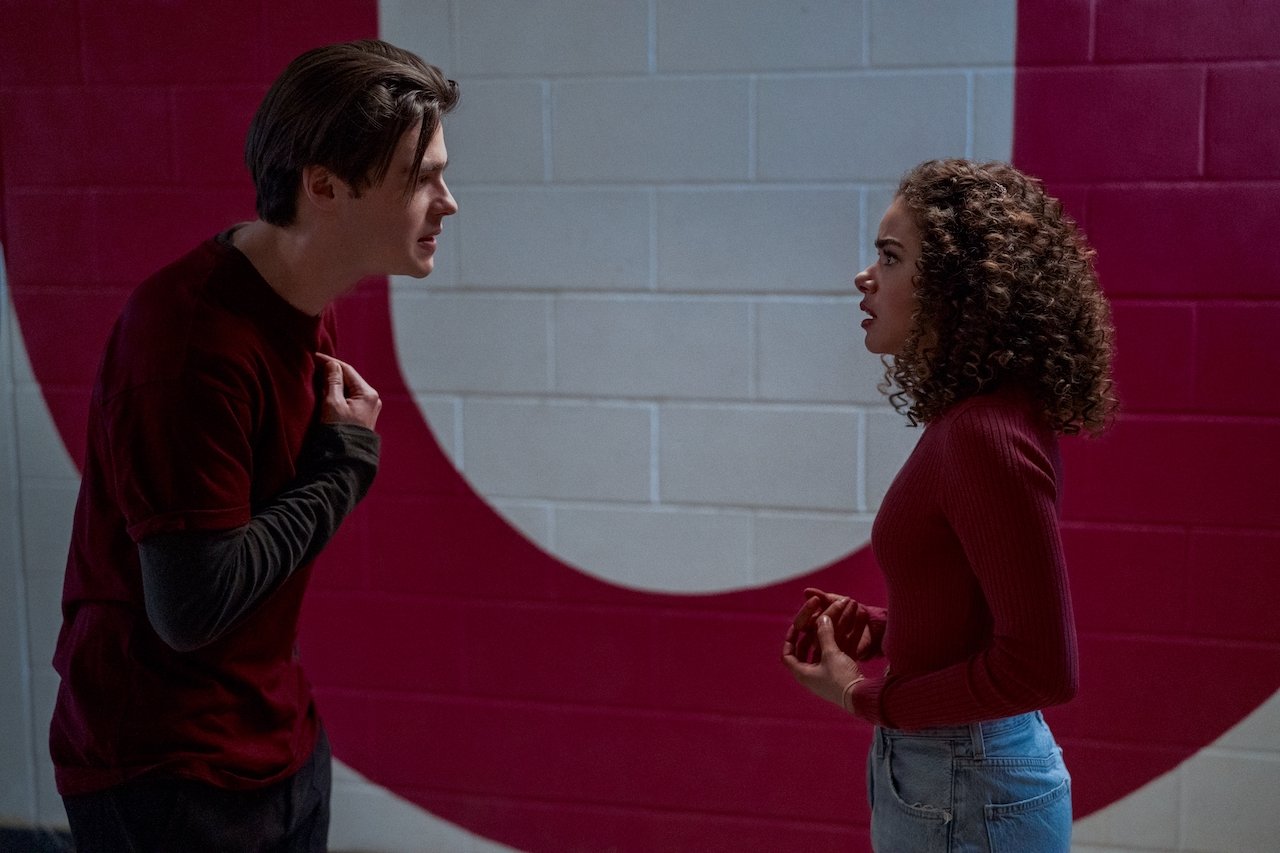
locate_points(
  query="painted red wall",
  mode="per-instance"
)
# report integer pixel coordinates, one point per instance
(502, 690)
(1157, 123)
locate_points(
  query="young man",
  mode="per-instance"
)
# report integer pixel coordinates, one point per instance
(226, 445)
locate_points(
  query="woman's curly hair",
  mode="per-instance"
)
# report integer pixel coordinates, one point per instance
(1006, 294)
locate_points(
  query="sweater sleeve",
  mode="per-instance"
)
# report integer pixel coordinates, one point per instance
(999, 495)
(197, 584)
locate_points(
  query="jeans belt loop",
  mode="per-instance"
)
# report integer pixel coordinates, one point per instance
(979, 747)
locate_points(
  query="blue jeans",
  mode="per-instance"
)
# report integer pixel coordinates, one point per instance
(998, 786)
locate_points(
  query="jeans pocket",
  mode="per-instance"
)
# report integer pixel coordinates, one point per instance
(1041, 823)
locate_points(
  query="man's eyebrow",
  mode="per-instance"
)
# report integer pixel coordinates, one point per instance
(426, 166)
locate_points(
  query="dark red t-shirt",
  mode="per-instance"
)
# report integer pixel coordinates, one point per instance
(202, 402)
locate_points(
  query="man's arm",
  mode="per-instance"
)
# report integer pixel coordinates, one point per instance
(197, 585)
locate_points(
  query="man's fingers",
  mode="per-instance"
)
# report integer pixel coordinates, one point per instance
(333, 392)
(354, 381)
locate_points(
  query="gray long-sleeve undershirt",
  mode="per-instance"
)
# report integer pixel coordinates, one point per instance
(198, 585)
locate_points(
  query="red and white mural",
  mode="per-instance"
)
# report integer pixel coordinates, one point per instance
(505, 690)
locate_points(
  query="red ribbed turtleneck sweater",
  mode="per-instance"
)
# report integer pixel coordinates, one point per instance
(979, 622)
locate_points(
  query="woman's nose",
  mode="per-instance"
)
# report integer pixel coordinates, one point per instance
(863, 281)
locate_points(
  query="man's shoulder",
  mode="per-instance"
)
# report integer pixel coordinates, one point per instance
(171, 318)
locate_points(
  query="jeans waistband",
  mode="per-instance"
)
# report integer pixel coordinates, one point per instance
(975, 733)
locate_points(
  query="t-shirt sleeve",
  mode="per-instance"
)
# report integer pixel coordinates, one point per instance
(182, 453)
(1000, 497)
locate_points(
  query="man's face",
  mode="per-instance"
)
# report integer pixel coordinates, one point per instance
(392, 232)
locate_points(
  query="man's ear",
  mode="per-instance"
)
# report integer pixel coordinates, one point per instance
(321, 188)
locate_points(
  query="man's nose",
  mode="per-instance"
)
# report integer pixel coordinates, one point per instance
(447, 206)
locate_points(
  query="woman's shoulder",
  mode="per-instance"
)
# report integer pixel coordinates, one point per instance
(996, 414)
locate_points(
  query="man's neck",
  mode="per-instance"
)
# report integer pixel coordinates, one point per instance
(287, 259)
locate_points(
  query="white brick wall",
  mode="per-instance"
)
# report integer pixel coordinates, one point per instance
(38, 487)
(17, 755)
(663, 205)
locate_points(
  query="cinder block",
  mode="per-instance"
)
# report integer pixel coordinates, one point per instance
(424, 27)
(89, 316)
(1230, 569)
(153, 42)
(572, 37)
(209, 130)
(719, 35)
(42, 44)
(44, 614)
(1227, 337)
(291, 26)
(936, 32)
(570, 451)
(17, 733)
(555, 239)
(486, 764)
(889, 441)
(1259, 732)
(813, 351)
(38, 223)
(47, 509)
(878, 200)
(532, 519)
(44, 692)
(676, 549)
(1157, 573)
(1228, 802)
(1147, 819)
(1079, 139)
(653, 129)
(1155, 355)
(836, 127)
(788, 544)
(442, 415)
(344, 655)
(1238, 220)
(1186, 30)
(1054, 34)
(454, 342)
(748, 240)
(369, 817)
(1238, 98)
(993, 116)
(496, 134)
(176, 220)
(1230, 462)
(653, 347)
(761, 456)
(1121, 672)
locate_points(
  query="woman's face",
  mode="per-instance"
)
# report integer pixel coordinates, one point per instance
(887, 286)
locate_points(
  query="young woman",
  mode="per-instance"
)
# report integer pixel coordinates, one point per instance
(984, 297)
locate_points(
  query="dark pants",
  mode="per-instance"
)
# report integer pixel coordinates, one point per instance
(160, 815)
